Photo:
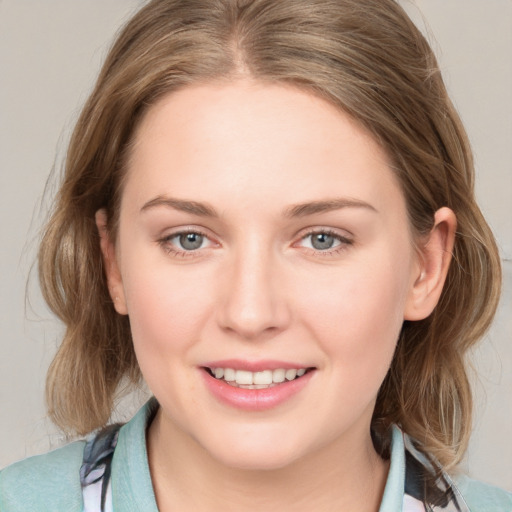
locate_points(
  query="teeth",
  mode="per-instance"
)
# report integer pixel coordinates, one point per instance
(229, 374)
(290, 374)
(264, 377)
(243, 377)
(251, 386)
(256, 380)
(278, 375)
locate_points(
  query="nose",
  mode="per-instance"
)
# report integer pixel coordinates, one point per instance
(253, 303)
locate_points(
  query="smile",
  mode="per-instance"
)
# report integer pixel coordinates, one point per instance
(255, 386)
(256, 380)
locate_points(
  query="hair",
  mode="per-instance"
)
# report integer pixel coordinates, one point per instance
(366, 58)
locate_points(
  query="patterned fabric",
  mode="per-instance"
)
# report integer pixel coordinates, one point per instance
(426, 489)
(96, 470)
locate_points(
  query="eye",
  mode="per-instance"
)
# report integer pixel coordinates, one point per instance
(185, 243)
(189, 241)
(324, 241)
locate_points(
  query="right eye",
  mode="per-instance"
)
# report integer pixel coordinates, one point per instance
(189, 241)
(185, 243)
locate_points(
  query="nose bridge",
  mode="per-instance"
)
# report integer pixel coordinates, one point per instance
(253, 303)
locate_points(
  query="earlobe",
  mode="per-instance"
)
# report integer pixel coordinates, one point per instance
(434, 259)
(112, 272)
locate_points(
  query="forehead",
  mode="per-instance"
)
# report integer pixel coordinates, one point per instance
(256, 142)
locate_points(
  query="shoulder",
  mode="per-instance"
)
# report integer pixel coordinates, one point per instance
(482, 497)
(44, 482)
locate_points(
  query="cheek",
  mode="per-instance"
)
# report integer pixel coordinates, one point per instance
(357, 315)
(166, 306)
(166, 314)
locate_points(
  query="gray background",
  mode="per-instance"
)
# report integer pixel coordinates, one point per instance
(50, 53)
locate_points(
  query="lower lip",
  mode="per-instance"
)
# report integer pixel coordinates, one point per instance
(255, 399)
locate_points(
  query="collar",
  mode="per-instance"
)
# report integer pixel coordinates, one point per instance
(415, 483)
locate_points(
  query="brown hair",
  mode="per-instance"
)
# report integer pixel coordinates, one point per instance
(365, 57)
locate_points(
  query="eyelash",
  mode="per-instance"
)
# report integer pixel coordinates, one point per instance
(165, 243)
(344, 242)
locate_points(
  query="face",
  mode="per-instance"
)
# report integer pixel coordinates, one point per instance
(262, 233)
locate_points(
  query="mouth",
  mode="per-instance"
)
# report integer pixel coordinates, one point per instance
(256, 385)
(263, 379)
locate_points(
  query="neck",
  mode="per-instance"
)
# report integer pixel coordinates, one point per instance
(345, 475)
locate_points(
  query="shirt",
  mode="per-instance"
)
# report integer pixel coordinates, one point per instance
(111, 467)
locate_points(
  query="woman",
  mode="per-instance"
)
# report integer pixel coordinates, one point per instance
(261, 206)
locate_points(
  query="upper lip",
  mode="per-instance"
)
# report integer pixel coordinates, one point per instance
(254, 366)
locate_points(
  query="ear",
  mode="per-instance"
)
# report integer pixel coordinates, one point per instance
(113, 274)
(434, 257)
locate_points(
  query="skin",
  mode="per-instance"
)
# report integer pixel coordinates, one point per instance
(257, 289)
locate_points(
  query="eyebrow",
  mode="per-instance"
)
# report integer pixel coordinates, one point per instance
(193, 207)
(293, 211)
(314, 207)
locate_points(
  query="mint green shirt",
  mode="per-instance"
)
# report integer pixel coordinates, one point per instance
(51, 482)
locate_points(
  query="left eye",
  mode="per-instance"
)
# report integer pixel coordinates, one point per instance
(323, 241)
(188, 241)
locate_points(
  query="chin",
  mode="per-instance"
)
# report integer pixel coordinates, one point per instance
(260, 454)
(250, 461)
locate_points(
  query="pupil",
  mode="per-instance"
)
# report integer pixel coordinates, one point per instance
(191, 241)
(322, 241)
